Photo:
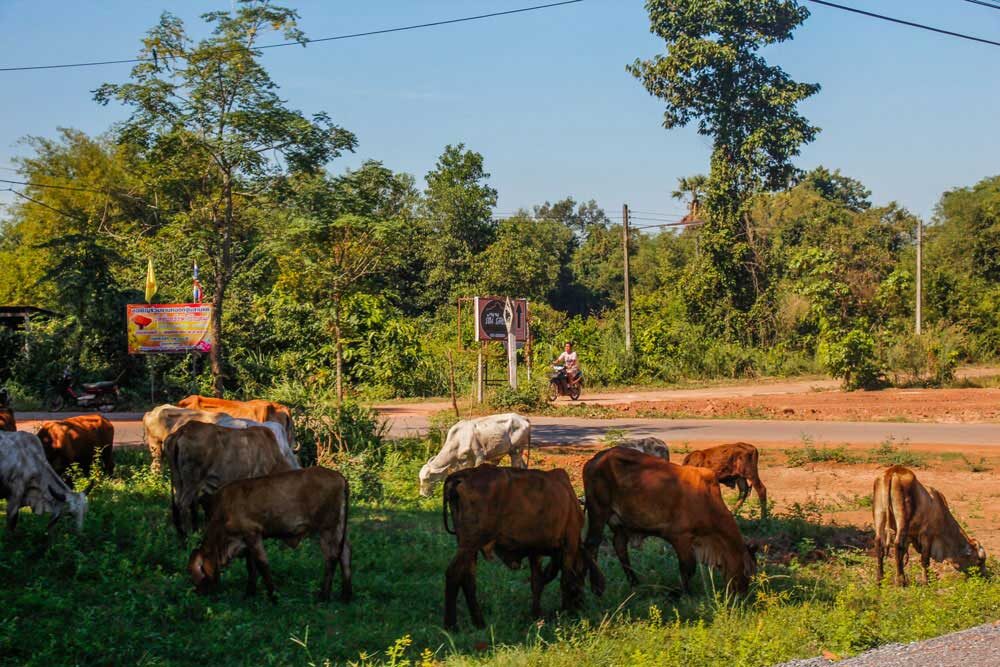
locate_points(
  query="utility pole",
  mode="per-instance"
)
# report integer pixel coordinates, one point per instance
(628, 289)
(920, 234)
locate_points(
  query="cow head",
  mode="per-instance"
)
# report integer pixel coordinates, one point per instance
(971, 556)
(204, 571)
(426, 483)
(77, 505)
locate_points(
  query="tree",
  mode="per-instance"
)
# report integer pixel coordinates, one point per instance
(713, 73)
(214, 137)
(581, 218)
(838, 188)
(526, 260)
(458, 211)
(691, 188)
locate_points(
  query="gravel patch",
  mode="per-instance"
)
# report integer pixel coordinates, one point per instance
(975, 647)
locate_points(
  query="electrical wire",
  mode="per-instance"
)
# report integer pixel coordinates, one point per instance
(909, 23)
(984, 4)
(369, 33)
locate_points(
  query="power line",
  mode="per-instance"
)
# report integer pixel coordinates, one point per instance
(909, 23)
(369, 33)
(984, 4)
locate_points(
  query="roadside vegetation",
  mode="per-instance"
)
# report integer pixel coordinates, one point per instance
(119, 592)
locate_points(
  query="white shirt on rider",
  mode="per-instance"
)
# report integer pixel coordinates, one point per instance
(568, 358)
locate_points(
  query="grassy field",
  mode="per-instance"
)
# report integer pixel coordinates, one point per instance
(118, 593)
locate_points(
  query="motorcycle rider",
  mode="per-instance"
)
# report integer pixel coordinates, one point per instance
(572, 364)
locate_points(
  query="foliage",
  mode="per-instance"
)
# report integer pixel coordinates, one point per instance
(852, 356)
(810, 453)
(927, 360)
(888, 453)
(528, 397)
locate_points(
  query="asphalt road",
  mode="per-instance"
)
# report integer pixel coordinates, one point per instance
(566, 430)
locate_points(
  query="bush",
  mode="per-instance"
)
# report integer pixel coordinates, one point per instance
(928, 360)
(852, 356)
(528, 397)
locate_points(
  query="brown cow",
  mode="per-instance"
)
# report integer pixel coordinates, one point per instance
(516, 514)
(735, 465)
(7, 421)
(289, 506)
(77, 440)
(906, 512)
(257, 410)
(638, 494)
(203, 457)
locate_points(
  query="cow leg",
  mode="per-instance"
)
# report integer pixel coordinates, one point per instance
(537, 586)
(621, 549)
(761, 491)
(741, 484)
(455, 577)
(687, 564)
(469, 589)
(900, 546)
(13, 511)
(346, 589)
(879, 557)
(251, 575)
(551, 571)
(255, 548)
(925, 560)
(108, 460)
(335, 550)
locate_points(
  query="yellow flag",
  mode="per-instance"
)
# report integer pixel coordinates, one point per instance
(150, 282)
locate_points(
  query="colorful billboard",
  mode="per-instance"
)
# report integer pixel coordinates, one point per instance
(169, 328)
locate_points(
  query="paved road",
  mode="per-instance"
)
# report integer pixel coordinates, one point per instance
(564, 430)
(975, 647)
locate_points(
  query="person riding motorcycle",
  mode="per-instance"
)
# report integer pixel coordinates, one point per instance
(569, 359)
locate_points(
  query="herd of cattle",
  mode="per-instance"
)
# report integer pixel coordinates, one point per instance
(236, 461)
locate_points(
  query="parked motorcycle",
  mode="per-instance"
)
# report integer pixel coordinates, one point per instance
(560, 384)
(101, 395)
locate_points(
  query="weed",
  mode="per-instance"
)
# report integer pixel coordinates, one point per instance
(888, 453)
(810, 453)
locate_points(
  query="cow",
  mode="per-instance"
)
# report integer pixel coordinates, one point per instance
(77, 440)
(906, 512)
(638, 494)
(516, 514)
(651, 446)
(289, 506)
(255, 410)
(27, 480)
(203, 457)
(735, 465)
(7, 420)
(472, 442)
(159, 422)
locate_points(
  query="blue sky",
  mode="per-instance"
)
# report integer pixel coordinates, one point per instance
(544, 96)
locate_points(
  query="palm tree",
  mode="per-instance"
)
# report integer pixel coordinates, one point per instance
(691, 188)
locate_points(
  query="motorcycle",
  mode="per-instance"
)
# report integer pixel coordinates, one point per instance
(100, 395)
(560, 384)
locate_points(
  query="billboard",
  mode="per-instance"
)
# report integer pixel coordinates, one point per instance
(169, 328)
(489, 318)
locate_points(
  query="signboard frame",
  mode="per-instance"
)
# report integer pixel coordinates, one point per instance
(493, 327)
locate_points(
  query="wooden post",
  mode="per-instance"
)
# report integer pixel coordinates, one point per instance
(508, 318)
(480, 380)
(460, 323)
(628, 288)
(451, 385)
(920, 234)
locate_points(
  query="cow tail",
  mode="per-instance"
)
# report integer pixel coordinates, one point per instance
(343, 519)
(527, 457)
(447, 497)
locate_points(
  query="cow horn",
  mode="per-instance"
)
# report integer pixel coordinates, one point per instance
(57, 494)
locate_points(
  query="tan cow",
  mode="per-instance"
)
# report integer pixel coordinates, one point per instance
(204, 457)
(906, 512)
(77, 440)
(735, 465)
(7, 420)
(639, 494)
(257, 410)
(27, 480)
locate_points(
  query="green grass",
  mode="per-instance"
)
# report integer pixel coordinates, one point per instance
(810, 453)
(888, 453)
(119, 593)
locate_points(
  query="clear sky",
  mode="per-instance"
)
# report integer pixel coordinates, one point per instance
(544, 95)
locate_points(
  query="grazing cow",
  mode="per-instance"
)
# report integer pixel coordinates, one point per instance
(288, 505)
(203, 457)
(255, 410)
(735, 465)
(651, 446)
(638, 494)
(161, 421)
(7, 421)
(472, 442)
(76, 441)
(516, 514)
(906, 512)
(27, 480)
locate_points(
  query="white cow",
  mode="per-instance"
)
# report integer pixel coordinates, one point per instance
(27, 480)
(651, 446)
(163, 420)
(471, 442)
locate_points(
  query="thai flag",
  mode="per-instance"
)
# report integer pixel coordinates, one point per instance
(196, 289)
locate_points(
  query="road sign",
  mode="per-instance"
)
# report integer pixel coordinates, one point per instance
(169, 328)
(490, 323)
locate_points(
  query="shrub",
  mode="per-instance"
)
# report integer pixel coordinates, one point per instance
(809, 453)
(852, 356)
(929, 359)
(528, 397)
(889, 454)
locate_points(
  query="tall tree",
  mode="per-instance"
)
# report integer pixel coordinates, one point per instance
(713, 73)
(459, 204)
(692, 189)
(215, 137)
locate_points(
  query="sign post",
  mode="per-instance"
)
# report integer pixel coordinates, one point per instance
(508, 318)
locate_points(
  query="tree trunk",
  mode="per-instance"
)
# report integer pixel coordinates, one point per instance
(339, 346)
(215, 353)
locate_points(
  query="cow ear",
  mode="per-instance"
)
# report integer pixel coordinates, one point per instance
(57, 494)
